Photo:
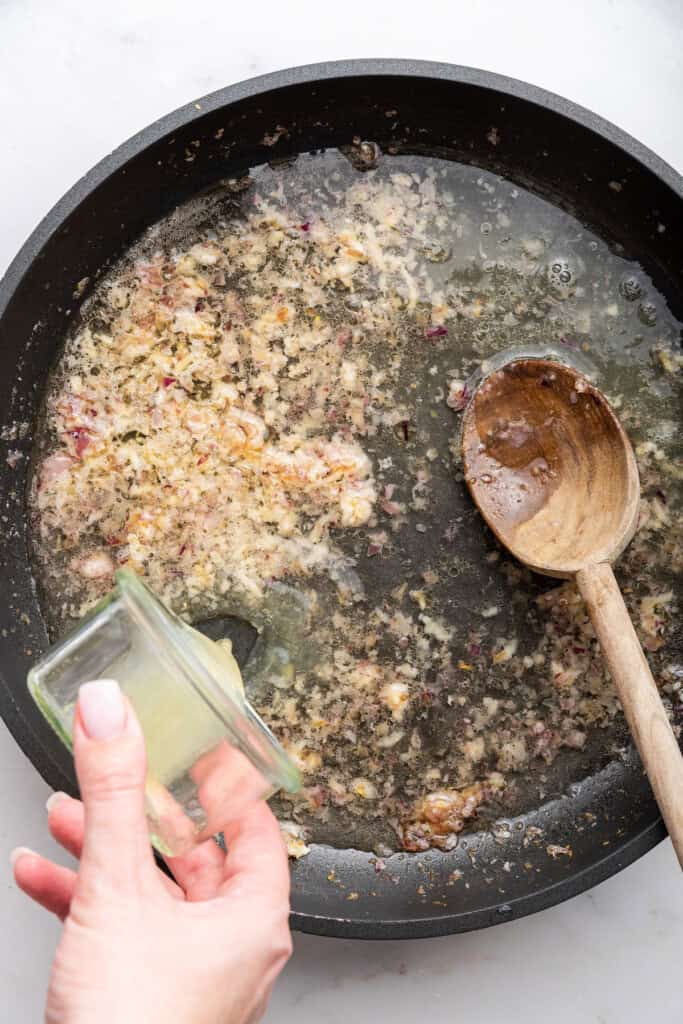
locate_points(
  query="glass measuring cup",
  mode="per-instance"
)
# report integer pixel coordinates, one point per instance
(209, 754)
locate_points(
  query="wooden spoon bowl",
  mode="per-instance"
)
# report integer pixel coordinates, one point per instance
(554, 476)
(550, 467)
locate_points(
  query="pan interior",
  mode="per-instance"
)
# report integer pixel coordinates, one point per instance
(422, 663)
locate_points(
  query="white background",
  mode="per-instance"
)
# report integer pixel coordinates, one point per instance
(76, 79)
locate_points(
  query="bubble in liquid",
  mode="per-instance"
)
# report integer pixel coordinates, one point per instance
(436, 252)
(647, 313)
(560, 270)
(486, 228)
(362, 154)
(630, 288)
(370, 152)
(561, 275)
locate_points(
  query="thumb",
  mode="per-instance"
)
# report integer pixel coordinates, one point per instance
(109, 752)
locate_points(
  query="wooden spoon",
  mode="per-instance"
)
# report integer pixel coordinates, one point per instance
(554, 476)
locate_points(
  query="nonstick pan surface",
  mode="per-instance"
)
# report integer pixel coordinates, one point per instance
(552, 147)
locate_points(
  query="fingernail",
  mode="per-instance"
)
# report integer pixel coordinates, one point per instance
(54, 799)
(101, 708)
(20, 851)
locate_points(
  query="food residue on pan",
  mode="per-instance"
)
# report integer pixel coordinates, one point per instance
(258, 413)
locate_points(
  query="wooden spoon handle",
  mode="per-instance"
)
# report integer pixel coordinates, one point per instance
(645, 714)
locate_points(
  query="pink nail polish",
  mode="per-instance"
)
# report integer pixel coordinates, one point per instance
(101, 708)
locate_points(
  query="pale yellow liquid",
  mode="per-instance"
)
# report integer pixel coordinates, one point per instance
(179, 726)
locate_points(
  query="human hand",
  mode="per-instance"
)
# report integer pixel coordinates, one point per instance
(136, 946)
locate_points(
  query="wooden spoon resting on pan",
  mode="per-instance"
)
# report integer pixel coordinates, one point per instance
(554, 476)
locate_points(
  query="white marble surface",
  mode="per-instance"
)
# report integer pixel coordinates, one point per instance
(76, 78)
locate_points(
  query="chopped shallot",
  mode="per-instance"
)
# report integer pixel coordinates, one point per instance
(458, 395)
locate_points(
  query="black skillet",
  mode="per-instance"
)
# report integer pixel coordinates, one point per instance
(562, 152)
